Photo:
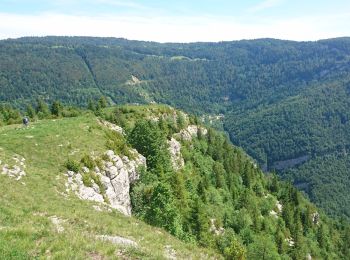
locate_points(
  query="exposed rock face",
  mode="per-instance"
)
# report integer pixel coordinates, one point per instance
(191, 131)
(279, 206)
(273, 214)
(214, 229)
(290, 241)
(118, 240)
(169, 253)
(116, 176)
(316, 218)
(111, 126)
(133, 81)
(175, 153)
(175, 147)
(17, 170)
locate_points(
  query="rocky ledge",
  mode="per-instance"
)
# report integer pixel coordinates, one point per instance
(111, 182)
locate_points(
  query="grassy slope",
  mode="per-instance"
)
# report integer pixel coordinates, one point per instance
(25, 228)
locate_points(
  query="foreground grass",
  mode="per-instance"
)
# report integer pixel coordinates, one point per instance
(26, 231)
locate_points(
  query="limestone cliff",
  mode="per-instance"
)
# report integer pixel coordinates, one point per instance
(115, 174)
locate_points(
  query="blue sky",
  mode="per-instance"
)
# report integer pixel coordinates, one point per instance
(177, 21)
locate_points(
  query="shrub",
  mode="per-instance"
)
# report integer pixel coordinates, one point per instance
(88, 162)
(87, 180)
(97, 180)
(116, 142)
(99, 163)
(73, 165)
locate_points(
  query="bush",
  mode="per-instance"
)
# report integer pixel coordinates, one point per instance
(88, 162)
(73, 165)
(98, 181)
(87, 180)
(99, 163)
(116, 142)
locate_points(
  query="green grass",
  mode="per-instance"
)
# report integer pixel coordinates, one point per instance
(26, 231)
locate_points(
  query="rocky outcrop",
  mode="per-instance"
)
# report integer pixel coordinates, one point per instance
(290, 241)
(175, 146)
(115, 175)
(277, 210)
(175, 154)
(169, 253)
(84, 192)
(279, 206)
(117, 240)
(17, 170)
(315, 218)
(57, 222)
(191, 131)
(133, 81)
(214, 229)
(273, 214)
(111, 126)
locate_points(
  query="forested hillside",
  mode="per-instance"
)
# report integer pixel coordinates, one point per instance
(63, 177)
(284, 102)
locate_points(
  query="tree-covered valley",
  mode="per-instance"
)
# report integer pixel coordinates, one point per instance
(285, 103)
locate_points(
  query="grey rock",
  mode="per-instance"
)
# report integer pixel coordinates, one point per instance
(110, 153)
(88, 193)
(112, 172)
(111, 126)
(175, 153)
(191, 131)
(108, 164)
(116, 178)
(118, 240)
(96, 188)
(57, 222)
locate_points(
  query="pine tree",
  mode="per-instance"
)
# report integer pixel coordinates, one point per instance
(42, 109)
(91, 105)
(30, 112)
(321, 236)
(56, 108)
(102, 102)
(162, 210)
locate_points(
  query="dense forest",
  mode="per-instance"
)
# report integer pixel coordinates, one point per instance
(286, 103)
(220, 198)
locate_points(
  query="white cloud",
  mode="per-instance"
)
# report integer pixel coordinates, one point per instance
(266, 4)
(121, 3)
(173, 29)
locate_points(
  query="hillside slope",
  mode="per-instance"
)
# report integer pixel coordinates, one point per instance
(293, 135)
(196, 186)
(39, 219)
(284, 102)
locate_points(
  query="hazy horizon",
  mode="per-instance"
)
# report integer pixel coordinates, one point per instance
(140, 40)
(180, 21)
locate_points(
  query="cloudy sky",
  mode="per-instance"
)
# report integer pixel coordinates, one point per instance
(177, 21)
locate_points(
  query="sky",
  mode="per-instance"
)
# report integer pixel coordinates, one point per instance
(177, 20)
